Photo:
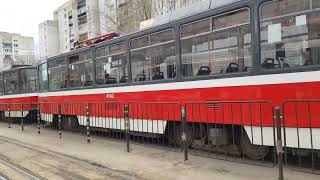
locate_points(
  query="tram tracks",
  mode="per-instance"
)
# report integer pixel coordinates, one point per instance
(36, 163)
(24, 172)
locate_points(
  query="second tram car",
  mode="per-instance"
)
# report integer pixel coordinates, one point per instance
(18, 89)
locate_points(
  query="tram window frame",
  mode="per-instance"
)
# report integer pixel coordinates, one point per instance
(42, 84)
(25, 86)
(157, 75)
(83, 82)
(317, 6)
(307, 12)
(211, 33)
(111, 52)
(62, 83)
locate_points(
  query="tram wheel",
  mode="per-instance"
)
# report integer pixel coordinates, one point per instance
(178, 136)
(255, 152)
(70, 123)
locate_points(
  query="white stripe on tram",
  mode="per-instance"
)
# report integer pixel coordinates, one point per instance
(299, 77)
(19, 95)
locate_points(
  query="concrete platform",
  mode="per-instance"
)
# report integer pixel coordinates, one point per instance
(142, 162)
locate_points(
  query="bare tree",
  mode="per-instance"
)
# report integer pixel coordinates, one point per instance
(134, 11)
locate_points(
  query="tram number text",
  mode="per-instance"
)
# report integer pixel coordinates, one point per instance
(110, 96)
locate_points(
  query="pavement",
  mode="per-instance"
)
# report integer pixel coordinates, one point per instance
(108, 159)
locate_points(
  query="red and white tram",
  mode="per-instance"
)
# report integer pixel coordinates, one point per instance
(244, 50)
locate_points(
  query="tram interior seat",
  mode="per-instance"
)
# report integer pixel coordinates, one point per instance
(204, 71)
(88, 83)
(232, 68)
(124, 79)
(100, 81)
(140, 77)
(74, 83)
(158, 75)
(268, 64)
(308, 63)
(111, 80)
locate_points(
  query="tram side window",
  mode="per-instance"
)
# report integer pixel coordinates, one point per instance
(1, 84)
(58, 74)
(154, 60)
(11, 82)
(224, 48)
(28, 80)
(80, 70)
(111, 65)
(290, 34)
(43, 77)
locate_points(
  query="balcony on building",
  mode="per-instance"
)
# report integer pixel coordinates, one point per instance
(83, 28)
(81, 4)
(82, 12)
(82, 20)
(7, 45)
(123, 4)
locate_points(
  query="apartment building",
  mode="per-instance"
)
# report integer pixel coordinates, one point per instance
(16, 49)
(78, 20)
(65, 16)
(48, 39)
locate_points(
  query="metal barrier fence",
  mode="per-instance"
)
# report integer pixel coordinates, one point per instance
(236, 131)
(155, 124)
(243, 131)
(301, 132)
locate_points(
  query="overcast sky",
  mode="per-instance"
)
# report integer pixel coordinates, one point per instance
(24, 16)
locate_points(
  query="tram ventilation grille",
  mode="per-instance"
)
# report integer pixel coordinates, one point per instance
(214, 107)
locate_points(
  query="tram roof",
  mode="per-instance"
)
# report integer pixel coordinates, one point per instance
(14, 67)
(192, 9)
